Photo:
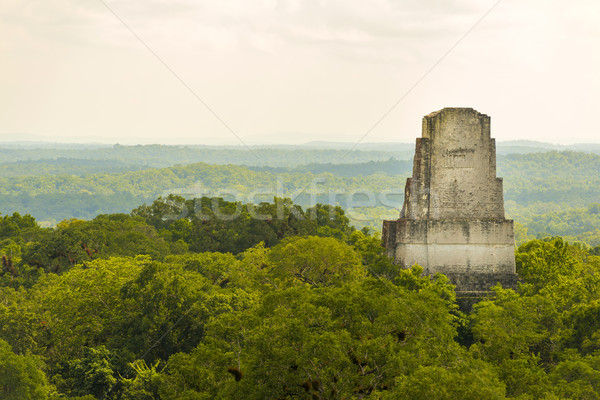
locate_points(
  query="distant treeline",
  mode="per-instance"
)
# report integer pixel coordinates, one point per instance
(534, 184)
(138, 156)
(165, 156)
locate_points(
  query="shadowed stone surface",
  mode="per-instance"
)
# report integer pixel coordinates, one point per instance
(453, 219)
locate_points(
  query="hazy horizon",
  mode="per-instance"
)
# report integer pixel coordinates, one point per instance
(289, 72)
(31, 140)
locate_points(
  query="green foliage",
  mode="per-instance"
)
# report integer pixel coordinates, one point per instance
(578, 377)
(56, 197)
(146, 383)
(75, 241)
(521, 234)
(21, 376)
(81, 307)
(17, 233)
(213, 224)
(577, 224)
(542, 262)
(90, 374)
(17, 226)
(543, 340)
(206, 298)
(331, 341)
(586, 327)
(373, 255)
(468, 379)
(552, 177)
(315, 261)
(215, 267)
(20, 322)
(546, 191)
(169, 303)
(510, 326)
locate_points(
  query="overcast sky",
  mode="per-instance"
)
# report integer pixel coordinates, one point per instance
(292, 71)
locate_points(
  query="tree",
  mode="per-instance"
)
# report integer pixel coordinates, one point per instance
(316, 261)
(81, 307)
(20, 323)
(76, 241)
(542, 262)
(92, 374)
(374, 255)
(464, 379)
(21, 376)
(339, 341)
(520, 336)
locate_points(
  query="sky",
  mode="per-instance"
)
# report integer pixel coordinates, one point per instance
(243, 72)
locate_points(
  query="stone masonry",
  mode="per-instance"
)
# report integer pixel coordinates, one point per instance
(453, 219)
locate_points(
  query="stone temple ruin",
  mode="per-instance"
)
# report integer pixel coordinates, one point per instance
(453, 219)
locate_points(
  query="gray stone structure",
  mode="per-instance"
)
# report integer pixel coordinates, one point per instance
(453, 219)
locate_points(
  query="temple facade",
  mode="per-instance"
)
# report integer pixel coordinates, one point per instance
(453, 219)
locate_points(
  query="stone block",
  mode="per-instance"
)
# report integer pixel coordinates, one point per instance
(452, 220)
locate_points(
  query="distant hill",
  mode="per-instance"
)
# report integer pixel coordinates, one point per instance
(166, 156)
(526, 146)
(56, 181)
(406, 150)
(135, 157)
(390, 167)
(534, 183)
(38, 155)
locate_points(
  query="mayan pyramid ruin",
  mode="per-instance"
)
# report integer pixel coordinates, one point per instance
(453, 219)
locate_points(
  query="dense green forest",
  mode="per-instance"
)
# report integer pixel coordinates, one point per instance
(548, 193)
(209, 299)
(576, 225)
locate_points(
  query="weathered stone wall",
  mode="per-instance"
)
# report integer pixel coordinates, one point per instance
(454, 171)
(453, 220)
(452, 245)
